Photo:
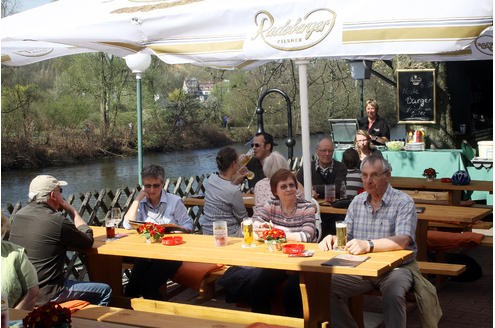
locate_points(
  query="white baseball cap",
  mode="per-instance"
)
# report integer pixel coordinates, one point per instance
(42, 185)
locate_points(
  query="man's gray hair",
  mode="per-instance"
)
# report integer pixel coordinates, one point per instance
(372, 159)
(153, 171)
(274, 162)
(324, 138)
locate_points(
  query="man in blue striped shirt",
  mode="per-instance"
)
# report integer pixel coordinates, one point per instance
(379, 219)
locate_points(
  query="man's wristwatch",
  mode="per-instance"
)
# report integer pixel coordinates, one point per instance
(372, 245)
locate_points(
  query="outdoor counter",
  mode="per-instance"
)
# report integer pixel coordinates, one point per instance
(446, 162)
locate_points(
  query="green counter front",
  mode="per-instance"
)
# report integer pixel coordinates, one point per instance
(445, 161)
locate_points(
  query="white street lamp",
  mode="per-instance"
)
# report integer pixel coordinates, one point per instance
(138, 63)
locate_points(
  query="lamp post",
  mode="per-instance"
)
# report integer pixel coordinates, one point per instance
(361, 70)
(138, 63)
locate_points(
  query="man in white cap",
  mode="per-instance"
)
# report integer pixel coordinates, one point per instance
(47, 235)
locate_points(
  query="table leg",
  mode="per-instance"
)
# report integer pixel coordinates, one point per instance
(315, 291)
(422, 240)
(107, 269)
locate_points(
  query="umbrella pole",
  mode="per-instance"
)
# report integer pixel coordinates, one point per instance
(139, 127)
(306, 153)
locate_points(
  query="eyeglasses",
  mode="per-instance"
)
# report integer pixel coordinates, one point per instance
(256, 145)
(286, 186)
(372, 176)
(154, 185)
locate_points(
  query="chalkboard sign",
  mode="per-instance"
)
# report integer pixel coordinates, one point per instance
(416, 96)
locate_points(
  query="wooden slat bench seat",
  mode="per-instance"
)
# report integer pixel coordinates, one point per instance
(443, 269)
(207, 289)
(211, 313)
(434, 268)
(487, 241)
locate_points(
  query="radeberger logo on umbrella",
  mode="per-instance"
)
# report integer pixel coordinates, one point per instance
(294, 34)
(35, 52)
(484, 44)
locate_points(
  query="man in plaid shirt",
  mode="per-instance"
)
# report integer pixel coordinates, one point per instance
(379, 219)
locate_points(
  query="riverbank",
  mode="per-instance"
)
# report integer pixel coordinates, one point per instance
(63, 150)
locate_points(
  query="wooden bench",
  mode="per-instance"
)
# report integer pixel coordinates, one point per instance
(210, 313)
(434, 268)
(487, 241)
(207, 289)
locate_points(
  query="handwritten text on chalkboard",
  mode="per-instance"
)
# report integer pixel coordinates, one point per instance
(416, 96)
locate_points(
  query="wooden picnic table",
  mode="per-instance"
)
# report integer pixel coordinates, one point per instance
(105, 263)
(454, 191)
(461, 216)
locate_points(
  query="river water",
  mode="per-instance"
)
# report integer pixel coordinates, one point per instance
(120, 172)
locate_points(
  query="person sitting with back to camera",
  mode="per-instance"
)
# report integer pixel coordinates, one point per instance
(262, 191)
(223, 196)
(354, 183)
(153, 204)
(364, 146)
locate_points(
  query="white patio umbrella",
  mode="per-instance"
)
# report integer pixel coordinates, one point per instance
(244, 34)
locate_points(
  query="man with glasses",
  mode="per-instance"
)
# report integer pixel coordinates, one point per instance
(380, 219)
(47, 235)
(262, 145)
(153, 204)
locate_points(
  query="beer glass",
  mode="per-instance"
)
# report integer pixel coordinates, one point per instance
(111, 221)
(341, 228)
(245, 158)
(247, 231)
(250, 175)
(220, 232)
(330, 193)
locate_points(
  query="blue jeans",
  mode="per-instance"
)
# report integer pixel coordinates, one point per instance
(93, 292)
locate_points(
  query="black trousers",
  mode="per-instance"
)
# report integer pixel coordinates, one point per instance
(148, 275)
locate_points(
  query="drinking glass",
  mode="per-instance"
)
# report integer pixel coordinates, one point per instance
(220, 232)
(330, 193)
(111, 221)
(341, 228)
(247, 231)
(245, 158)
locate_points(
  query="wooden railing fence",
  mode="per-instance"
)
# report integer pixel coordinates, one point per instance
(94, 206)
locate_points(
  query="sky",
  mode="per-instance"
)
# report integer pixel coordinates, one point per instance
(28, 4)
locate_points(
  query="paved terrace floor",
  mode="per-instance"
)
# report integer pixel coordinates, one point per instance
(464, 304)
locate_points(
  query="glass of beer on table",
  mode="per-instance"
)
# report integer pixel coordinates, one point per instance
(112, 220)
(248, 233)
(341, 228)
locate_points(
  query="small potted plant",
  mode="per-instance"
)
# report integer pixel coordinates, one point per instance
(48, 315)
(274, 238)
(430, 174)
(152, 232)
